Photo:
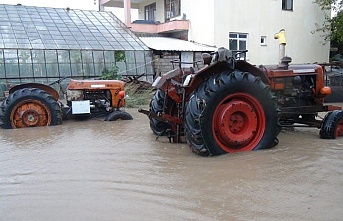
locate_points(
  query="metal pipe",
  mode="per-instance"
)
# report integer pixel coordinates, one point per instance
(281, 36)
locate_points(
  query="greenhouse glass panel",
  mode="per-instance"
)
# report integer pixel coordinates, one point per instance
(13, 81)
(24, 56)
(121, 68)
(89, 69)
(11, 56)
(26, 70)
(12, 70)
(130, 56)
(25, 80)
(45, 43)
(98, 68)
(75, 56)
(149, 68)
(2, 56)
(87, 56)
(63, 56)
(2, 71)
(64, 69)
(76, 70)
(140, 56)
(98, 56)
(132, 69)
(38, 56)
(39, 70)
(50, 56)
(141, 68)
(52, 70)
(109, 59)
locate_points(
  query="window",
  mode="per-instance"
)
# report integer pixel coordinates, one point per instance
(172, 8)
(238, 42)
(287, 5)
(150, 12)
(263, 40)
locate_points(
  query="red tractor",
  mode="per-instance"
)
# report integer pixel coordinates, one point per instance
(230, 105)
(33, 104)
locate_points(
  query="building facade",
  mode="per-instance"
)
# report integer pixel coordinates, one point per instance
(234, 24)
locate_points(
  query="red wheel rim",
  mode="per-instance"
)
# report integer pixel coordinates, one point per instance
(238, 123)
(30, 113)
(339, 129)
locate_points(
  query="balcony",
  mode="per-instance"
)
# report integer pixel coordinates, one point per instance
(143, 26)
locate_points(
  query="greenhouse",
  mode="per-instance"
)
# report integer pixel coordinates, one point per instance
(45, 44)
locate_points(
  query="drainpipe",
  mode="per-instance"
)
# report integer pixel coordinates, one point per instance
(127, 12)
(281, 36)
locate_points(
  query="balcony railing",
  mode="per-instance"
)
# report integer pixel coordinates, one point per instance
(143, 26)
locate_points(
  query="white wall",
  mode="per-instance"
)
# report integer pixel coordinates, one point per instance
(200, 13)
(260, 18)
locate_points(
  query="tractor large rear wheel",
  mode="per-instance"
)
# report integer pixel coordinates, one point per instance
(30, 107)
(231, 112)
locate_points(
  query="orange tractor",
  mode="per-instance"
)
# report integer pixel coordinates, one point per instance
(33, 104)
(230, 105)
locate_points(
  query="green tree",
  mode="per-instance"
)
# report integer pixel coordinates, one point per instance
(332, 28)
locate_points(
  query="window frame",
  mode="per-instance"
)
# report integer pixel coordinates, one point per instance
(263, 40)
(287, 5)
(239, 38)
(174, 7)
(150, 12)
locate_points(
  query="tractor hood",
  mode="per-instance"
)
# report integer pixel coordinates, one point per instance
(95, 84)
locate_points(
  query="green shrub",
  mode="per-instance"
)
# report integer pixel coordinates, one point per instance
(110, 74)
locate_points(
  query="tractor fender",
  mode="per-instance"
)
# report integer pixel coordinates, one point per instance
(43, 87)
(257, 72)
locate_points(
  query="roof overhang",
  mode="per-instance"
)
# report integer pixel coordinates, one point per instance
(173, 44)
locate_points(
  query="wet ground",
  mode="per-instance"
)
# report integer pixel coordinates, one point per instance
(96, 170)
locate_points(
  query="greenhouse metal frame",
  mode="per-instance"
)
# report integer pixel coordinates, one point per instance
(44, 44)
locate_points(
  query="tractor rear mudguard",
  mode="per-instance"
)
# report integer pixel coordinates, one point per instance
(43, 87)
(159, 81)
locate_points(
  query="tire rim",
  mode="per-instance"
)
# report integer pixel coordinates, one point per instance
(339, 128)
(30, 113)
(238, 123)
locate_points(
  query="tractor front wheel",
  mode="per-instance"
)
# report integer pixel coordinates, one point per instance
(231, 112)
(332, 125)
(116, 115)
(30, 107)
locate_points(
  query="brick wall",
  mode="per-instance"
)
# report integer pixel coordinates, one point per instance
(163, 65)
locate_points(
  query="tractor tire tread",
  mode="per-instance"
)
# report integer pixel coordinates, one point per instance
(158, 127)
(329, 123)
(116, 115)
(197, 135)
(33, 93)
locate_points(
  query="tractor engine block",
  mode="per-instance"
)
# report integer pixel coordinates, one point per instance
(298, 90)
(99, 99)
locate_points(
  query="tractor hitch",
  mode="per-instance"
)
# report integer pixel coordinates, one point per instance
(161, 117)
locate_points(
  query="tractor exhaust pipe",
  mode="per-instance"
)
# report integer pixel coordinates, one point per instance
(281, 36)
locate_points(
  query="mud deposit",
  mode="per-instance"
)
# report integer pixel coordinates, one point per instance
(96, 170)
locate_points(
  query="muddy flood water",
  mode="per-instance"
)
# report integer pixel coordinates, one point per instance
(96, 170)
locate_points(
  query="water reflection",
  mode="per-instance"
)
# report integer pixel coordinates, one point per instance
(95, 170)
